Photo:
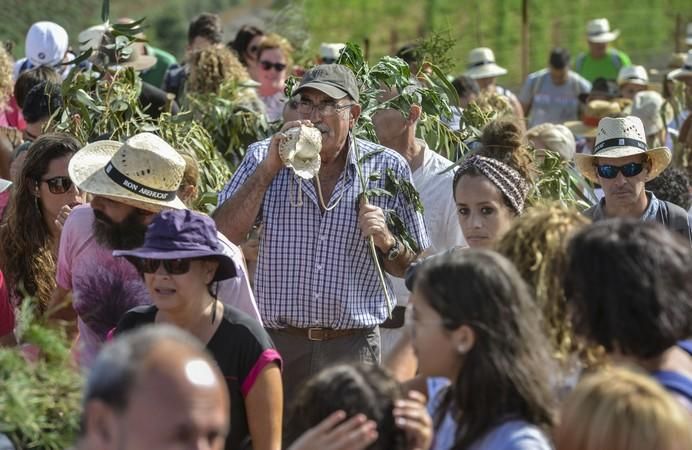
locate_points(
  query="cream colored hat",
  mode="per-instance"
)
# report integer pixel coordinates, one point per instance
(598, 31)
(684, 71)
(143, 172)
(482, 64)
(633, 75)
(556, 138)
(649, 107)
(618, 138)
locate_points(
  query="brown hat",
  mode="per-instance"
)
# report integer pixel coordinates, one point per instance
(595, 111)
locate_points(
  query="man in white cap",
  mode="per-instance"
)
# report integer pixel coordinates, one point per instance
(129, 183)
(46, 45)
(601, 61)
(483, 68)
(622, 163)
(632, 79)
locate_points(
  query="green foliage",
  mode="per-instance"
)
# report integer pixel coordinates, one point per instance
(39, 400)
(233, 118)
(559, 180)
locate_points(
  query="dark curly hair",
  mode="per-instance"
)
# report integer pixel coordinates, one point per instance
(629, 285)
(207, 26)
(508, 370)
(355, 389)
(672, 185)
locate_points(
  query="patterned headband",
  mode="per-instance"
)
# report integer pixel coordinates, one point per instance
(505, 178)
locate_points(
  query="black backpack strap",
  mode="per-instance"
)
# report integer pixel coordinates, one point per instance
(676, 218)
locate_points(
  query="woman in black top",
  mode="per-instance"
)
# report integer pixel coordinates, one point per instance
(180, 260)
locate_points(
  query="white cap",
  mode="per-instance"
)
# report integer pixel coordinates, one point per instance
(633, 75)
(331, 51)
(481, 64)
(647, 106)
(46, 44)
(598, 31)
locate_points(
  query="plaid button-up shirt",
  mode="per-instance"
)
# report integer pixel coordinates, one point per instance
(314, 267)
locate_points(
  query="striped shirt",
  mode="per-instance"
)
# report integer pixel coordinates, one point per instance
(314, 268)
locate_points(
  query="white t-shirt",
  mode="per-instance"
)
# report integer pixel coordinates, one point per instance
(440, 215)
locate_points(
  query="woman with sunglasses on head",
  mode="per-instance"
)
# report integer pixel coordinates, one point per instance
(490, 187)
(40, 202)
(474, 323)
(273, 66)
(181, 260)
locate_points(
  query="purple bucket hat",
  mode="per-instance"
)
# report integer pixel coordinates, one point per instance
(181, 234)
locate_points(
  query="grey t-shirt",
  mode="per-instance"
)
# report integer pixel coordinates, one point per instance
(552, 103)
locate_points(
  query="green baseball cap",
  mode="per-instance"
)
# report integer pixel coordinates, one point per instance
(335, 80)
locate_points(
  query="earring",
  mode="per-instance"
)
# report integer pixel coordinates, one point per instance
(462, 349)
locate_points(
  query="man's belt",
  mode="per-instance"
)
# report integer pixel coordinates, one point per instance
(321, 334)
(397, 320)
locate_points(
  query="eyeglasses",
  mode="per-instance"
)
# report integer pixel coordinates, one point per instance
(58, 185)
(171, 266)
(266, 65)
(628, 170)
(325, 109)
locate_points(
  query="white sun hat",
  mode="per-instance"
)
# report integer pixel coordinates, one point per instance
(144, 172)
(598, 31)
(481, 64)
(633, 75)
(618, 138)
(684, 71)
(649, 107)
(46, 44)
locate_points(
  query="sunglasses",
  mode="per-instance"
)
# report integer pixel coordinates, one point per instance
(58, 185)
(171, 266)
(266, 65)
(628, 170)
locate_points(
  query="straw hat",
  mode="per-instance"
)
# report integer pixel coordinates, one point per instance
(482, 64)
(598, 31)
(618, 138)
(684, 71)
(648, 105)
(633, 75)
(595, 111)
(144, 172)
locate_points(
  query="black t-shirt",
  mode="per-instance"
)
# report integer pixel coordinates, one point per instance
(241, 348)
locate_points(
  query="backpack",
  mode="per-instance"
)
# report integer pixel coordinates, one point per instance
(614, 58)
(675, 218)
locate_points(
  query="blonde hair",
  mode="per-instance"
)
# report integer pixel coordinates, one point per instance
(537, 245)
(618, 409)
(211, 67)
(6, 83)
(273, 40)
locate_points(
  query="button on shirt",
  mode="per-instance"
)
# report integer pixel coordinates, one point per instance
(315, 268)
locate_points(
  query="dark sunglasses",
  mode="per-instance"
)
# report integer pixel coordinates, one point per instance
(171, 266)
(266, 65)
(628, 170)
(58, 185)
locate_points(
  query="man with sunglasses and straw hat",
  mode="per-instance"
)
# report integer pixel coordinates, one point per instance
(129, 183)
(622, 163)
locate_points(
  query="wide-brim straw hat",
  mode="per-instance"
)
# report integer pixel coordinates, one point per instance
(595, 111)
(481, 64)
(144, 172)
(618, 138)
(683, 72)
(598, 31)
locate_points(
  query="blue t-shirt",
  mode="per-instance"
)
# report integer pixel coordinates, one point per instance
(676, 383)
(510, 435)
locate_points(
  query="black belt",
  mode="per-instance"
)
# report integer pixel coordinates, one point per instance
(397, 320)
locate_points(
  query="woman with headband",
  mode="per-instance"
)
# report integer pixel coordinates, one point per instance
(490, 187)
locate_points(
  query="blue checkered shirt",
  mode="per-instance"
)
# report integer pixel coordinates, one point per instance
(314, 268)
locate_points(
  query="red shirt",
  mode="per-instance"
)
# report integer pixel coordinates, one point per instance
(6, 310)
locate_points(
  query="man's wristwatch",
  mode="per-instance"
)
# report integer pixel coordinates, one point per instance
(395, 250)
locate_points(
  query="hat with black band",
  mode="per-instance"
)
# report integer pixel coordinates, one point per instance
(620, 138)
(144, 172)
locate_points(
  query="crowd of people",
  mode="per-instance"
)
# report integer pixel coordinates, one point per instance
(319, 309)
